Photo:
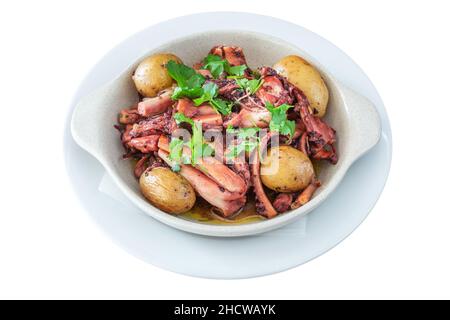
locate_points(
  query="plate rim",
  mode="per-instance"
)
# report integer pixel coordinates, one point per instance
(386, 130)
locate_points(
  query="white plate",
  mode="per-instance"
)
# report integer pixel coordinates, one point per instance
(240, 257)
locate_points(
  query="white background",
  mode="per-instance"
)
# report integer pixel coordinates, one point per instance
(49, 248)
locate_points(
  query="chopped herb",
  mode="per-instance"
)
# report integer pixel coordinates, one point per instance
(249, 86)
(235, 77)
(236, 70)
(224, 107)
(176, 149)
(180, 118)
(279, 121)
(176, 154)
(197, 145)
(188, 80)
(181, 92)
(210, 92)
(216, 65)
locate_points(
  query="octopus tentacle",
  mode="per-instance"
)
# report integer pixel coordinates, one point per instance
(283, 201)
(321, 137)
(215, 170)
(159, 104)
(153, 125)
(263, 206)
(304, 144)
(208, 189)
(306, 194)
(144, 144)
(234, 55)
(141, 166)
(129, 116)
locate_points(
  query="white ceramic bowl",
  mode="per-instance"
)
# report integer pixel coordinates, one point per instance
(353, 116)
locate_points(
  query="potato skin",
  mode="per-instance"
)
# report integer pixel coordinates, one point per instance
(151, 75)
(295, 170)
(167, 190)
(304, 76)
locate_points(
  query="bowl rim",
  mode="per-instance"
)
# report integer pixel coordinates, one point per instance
(232, 230)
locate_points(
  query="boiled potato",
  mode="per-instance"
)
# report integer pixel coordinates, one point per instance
(167, 190)
(151, 75)
(286, 169)
(304, 76)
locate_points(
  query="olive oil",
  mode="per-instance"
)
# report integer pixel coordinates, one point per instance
(317, 165)
(203, 212)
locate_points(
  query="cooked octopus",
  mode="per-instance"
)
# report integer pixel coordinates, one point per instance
(222, 95)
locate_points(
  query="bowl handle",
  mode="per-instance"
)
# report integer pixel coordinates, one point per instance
(98, 111)
(365, 125)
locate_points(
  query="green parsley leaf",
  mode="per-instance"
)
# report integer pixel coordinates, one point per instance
(216, 65)
(176, 154)
(210, 92)
(222, 106)
(242, 83)
(234, 77)
(180, 118)
(236, 70)
(188, 80)
(279, 121)
(196, 144)
(196, 81)
(191, 93)
(176, 149)
(249, 86)
(183, 75)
